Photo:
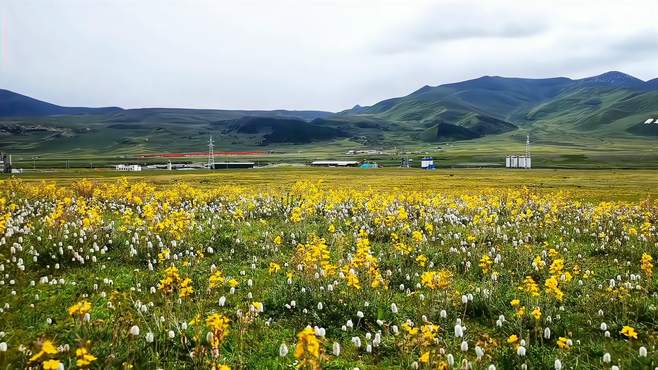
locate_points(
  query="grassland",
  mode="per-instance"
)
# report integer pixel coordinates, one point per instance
(586, 184)
(329, 268)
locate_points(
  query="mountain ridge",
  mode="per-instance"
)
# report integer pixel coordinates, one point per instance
(609, 105)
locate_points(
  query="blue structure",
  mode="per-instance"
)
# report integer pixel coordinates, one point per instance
(427, 163)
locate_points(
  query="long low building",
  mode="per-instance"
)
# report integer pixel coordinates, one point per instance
(128, 167)
(335, 163)
(229, 165)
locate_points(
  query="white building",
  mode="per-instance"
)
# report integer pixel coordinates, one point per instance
(128, 167)
(518, 161)
(335, 163)
(427, 163)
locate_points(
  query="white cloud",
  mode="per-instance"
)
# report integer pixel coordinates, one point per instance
(306, 54)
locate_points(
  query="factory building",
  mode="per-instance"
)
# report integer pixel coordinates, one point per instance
(128, 167)
(335, 163)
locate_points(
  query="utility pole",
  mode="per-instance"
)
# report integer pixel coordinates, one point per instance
(211, 154)
(527, 151)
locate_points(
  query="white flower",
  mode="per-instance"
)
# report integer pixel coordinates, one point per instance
(451, 360)
(356, 341)
(614, 367)
(491, 367)
(520, 351)
(547, 333)
(3, 347)
(444, 314)
(349, 324)
(171, 334)
(359, 314)
(134, 330)
(604, 326)
(320, 306)
(149, 337)
(283, 350)
(464, 346)
(336, 349)
(606, 358)
(394, 308)
(558, 364)
(459, 331)
(464, 299)
(479, 352)
(643, 351)
(222, 301)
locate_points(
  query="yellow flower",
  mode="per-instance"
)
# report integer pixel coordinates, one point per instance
(536, 313)
(307, 350)
(80, 308)
(530, 286)
(216, 279)
(84, 358)
(274, 267)
(49, 347)
(513, 339)
(422, 260)
(233, 283)
(436, 279)
(185, 288)
(219, 326)
(353, 281)
(563, 343)
(629, 332)
(485, 263)
(51, 365)
(258, 306)
(278, 240)
(515, 302)
(647, 265)
(424, 358)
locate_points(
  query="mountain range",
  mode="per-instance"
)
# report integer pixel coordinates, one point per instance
(610, 105)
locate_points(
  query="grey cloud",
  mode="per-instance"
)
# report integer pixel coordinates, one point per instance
(642, 42)
(461, 21)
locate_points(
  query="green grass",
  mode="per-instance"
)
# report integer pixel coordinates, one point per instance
(566, 217)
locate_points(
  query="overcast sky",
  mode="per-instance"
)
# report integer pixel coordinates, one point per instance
(306, 54)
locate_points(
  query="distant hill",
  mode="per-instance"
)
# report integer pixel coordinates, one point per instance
(610, 103)
(271, 130)
(559, 111)
(17, 105)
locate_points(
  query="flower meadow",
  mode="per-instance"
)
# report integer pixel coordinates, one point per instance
(129, 274)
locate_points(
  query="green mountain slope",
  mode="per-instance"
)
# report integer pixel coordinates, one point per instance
(608, 104)
(596, 112)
